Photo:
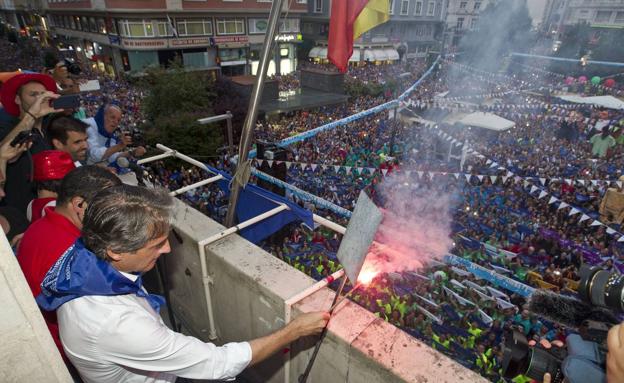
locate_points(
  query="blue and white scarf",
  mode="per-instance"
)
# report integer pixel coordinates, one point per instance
(80, 273)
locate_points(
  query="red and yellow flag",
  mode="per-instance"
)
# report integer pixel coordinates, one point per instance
(349, 19)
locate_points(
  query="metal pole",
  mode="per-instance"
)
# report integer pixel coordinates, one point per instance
(252, 111)
(304, 377)
(230, 134)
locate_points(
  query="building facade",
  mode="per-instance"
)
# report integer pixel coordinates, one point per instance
(414, 28)
(131, 35)
(596, 13)
(462, 16)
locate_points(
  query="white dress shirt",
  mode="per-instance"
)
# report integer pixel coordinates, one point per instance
(97, 143)
(113, 339)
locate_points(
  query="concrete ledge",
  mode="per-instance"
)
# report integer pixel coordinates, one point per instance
(248, 293)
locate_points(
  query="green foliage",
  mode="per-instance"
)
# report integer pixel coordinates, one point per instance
(176, 91)
(175, 100)
(601, 44)
(504, 26)
(12, 36)
(50, 58)
(182, 132)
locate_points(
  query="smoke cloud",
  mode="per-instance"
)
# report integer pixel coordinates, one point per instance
(416, 226)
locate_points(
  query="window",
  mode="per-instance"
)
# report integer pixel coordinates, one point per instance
(418, 8)
(230, 26)
(603, 16)
(101, 25)
(391, 7)
(193, 27)
(463, 4)
(138, 28)
(284, 52)
(473, 22)
(619, 17)
(92, 25)
(112, 26)
(318, 6)
(289, 26)
(460, 23)
(302, 1)
(431, 9)
(477, 5)
(404, 6)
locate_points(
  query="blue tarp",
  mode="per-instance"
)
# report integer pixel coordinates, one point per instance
(254, 200)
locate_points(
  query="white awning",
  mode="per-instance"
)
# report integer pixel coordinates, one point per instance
(380, 55)
(322, 53)
(603, 101)
(355, 57)
(369, 55)
(487, 121)
(314, 52)
(392, 54)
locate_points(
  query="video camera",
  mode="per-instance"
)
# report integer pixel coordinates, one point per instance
(72, 66)
(601, 292)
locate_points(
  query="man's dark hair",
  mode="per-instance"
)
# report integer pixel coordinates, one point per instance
(125, 218)
(58, 125)
(51, 185)
(85, 182)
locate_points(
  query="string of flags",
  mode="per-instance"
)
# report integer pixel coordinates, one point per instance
(531, 188)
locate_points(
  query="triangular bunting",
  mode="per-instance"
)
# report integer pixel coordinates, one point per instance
(584, 217)
(270, 163)
(552, 200)
(313, 166)
(384, 171)
(596, 223)
(610, 231)
(542, 194)
(574, 211)
(543, 181)
(288, 164)
(562, 205)
(533, 188)
(493, 179)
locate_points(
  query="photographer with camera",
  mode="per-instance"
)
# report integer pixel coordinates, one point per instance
(104, 145)
(595, 347)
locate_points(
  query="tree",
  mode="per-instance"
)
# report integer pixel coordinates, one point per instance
(175, 100)
(504, 26)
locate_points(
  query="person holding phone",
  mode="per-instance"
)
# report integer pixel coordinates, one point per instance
(104, 146)
(26, 100)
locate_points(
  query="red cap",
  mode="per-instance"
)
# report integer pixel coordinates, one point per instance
(10, 87)
(52, 165)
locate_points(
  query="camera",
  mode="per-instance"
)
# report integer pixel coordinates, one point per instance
(601, 292)
(602, 288)
(72, 67)
(534, 362)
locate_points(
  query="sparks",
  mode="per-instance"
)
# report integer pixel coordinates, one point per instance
(367, 274)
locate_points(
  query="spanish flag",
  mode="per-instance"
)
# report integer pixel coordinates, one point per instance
(349, 19)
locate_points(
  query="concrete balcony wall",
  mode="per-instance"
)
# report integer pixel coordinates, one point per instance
(248, 293)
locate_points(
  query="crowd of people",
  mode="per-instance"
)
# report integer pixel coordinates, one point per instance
(499, 218)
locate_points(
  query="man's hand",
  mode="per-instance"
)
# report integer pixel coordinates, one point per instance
(615, 356)
(9, 153)
(41, 107)
(309, 323)
(126, 140)
(303, 325)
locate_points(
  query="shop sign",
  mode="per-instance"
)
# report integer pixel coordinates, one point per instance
(230, 39)
(144, 43)
(191, 41)
(289, 37)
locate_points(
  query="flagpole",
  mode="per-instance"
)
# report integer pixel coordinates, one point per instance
(243, 168)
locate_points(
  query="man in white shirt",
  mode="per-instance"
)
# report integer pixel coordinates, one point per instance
(104, 146)
(109, 325)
